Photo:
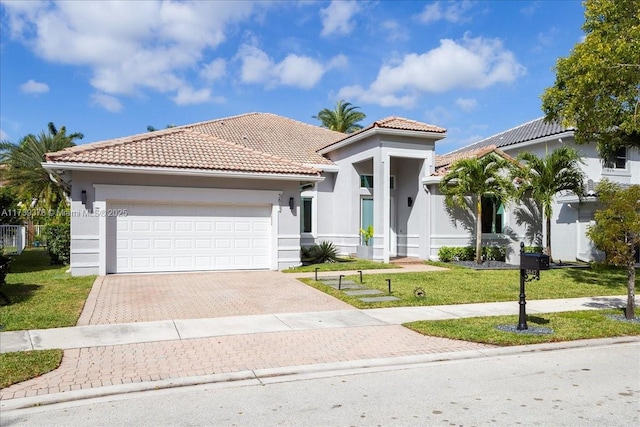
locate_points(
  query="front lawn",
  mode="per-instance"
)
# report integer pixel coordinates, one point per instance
(566, 326)
(464, 286)
(42, 295)
(24, 365)
(344, 264)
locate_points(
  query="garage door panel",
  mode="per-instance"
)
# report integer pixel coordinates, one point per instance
(160, 237)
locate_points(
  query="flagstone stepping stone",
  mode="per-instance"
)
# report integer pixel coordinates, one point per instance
(336, 281)
(364, 292)
(378, 299)
(347, 286)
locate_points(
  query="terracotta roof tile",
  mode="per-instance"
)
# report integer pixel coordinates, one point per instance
(444, 162)
(179, 148)
(394, 122)
(254, 142)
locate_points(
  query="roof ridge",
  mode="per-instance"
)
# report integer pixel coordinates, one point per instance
(92, 146)
(250, 150)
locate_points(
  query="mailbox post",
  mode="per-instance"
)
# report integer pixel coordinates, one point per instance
(530, 266)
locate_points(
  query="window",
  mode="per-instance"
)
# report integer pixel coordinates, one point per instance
(366, 181)
(618, 160)
(492, 214)
(306, 225)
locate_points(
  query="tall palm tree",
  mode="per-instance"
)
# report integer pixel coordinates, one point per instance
(471, 179)
(343, 119)
(22, 166)
(543, 178)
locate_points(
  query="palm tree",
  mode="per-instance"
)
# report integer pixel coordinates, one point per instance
(471, 179)
(544, 177)
(22, 166)
(343, 119)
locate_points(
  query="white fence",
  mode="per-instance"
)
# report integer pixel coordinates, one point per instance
(13, 238)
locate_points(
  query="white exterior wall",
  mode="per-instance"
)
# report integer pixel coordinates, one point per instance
(338, 198)
(89, 233)
(570, 219)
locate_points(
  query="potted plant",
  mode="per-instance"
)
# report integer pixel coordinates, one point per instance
(365, 250)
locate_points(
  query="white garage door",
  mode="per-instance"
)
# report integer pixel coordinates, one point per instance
(162, 237)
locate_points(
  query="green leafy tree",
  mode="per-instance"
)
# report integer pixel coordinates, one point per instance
(597, 87)
(617, 231)
(344, 118)
(543, 178)
(22, 166)
(471, 179)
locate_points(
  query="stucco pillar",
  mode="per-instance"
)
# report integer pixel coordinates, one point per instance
(386, 205)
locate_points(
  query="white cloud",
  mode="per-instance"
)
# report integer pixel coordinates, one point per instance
(108, 102)
(451, 11)
(395, 31)
(466, 104)
(3, 135)
(214, 70)
(294, 70)
(437, 116)
(336, 18)
(471, 63)
(130, 47)
(33, 87)
(189, 96)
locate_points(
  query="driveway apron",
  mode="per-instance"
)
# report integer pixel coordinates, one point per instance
(148, 297)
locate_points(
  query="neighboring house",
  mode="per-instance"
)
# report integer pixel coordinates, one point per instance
(245, 192)
(515, 223)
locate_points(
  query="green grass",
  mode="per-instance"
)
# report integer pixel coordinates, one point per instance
(24, 365)
(345, 264)
(42, 295)
(465, 286)
(566, 326)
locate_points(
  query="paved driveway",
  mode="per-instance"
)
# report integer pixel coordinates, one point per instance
(147, 297)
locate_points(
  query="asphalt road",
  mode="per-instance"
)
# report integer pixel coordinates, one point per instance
(597, 386)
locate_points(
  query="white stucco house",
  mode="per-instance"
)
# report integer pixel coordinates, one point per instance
(247, 192)
(517, 222)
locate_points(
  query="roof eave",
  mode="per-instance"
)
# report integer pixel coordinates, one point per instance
(381, 131)
(57, 167)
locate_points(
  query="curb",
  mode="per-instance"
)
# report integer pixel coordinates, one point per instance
(302, 372)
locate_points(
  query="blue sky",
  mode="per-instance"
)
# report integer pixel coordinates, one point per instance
(110, 69)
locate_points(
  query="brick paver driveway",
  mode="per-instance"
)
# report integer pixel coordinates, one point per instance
(149, 297)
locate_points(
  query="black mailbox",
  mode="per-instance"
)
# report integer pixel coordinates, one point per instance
(534, 261)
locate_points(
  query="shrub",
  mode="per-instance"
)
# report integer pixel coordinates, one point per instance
(533, 249)
(317, 254)
(58, 239)
(494, 253)
(468, 253)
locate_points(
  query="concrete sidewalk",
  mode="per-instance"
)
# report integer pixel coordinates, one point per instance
(185, 329)
(101, 360)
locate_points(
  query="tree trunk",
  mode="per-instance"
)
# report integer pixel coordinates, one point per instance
(548, 225)
(631, 291)
(479, 231)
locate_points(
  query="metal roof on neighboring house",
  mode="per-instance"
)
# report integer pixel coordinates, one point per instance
(529, 131)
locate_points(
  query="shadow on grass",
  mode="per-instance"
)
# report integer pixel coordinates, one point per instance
(538, 320)
(31, 261)
(605, 277)
(18, 292)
